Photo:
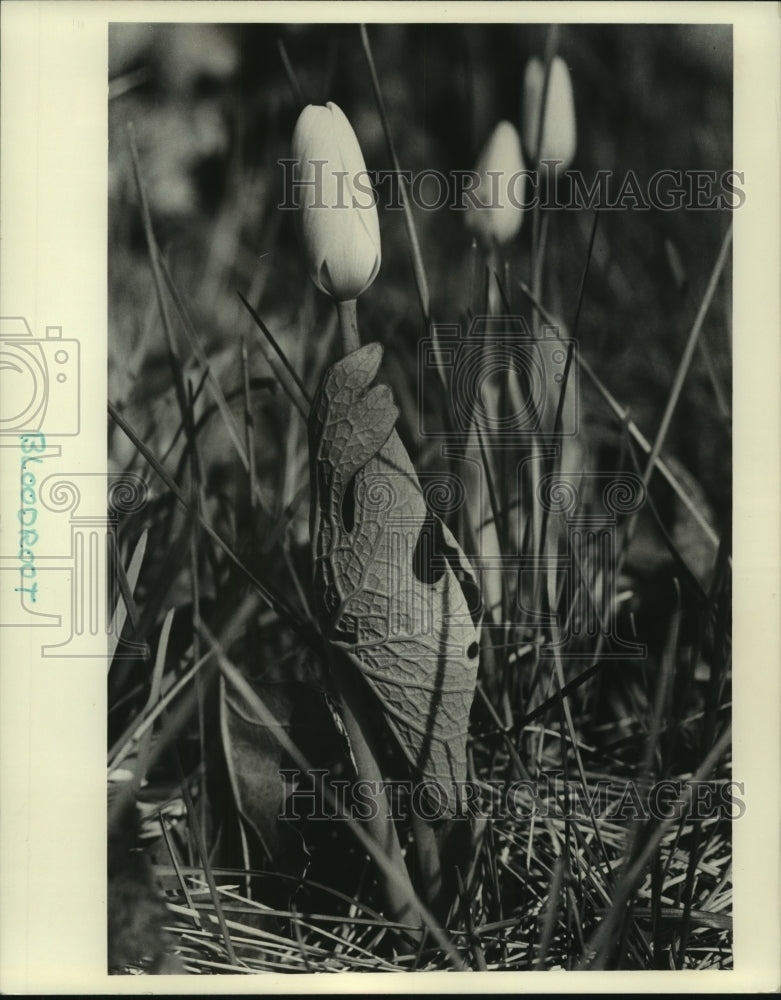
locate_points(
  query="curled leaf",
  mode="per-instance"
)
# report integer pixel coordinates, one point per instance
(392, 587)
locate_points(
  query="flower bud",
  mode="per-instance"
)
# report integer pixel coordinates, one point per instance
(338, 213)
(500, 170)
(558, 137)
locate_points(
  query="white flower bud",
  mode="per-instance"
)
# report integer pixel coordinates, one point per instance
(500, 169)
(558, 136)
(339, 226)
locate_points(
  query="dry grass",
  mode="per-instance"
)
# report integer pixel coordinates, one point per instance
(207, 405)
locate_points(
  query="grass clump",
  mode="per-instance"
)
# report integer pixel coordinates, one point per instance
(597, 831)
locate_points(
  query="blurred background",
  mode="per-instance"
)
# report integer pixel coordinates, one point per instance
(213, 112)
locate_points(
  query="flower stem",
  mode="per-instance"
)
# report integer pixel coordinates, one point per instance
(398, 890)
(493, 262)
(348, 321)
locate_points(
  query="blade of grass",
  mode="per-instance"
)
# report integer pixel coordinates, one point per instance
(306, 922)
(180, 430)
(680, 375)
(367, 842)
(182, 713)
(473, 935)
(682, 569)
(213, 383)
(417, 258)
(177, 868)
(688, 896)
(139, 726)
(682, 284)
(558, 678)
(203, 854)
(300, 939)
(381, 830)
(273, 599)
(538, 238)
(623, 416)
(296, 580)
(126, 607)
(518, 765)
(161, 275)
(652, 742)
(288, 377)
(494, 523)
(196, 505)
(601, 940)
(551, 915)
(145, 741)
(581, 291)
(249, 423)
(174, 361)
(372, 917)
(290, 73)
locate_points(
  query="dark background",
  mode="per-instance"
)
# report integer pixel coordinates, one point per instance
(213, 113)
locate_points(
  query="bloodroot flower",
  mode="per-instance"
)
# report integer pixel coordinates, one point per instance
(500, 169)
(338, 214)
(558, 136)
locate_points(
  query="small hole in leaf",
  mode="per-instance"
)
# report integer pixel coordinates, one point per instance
(348, 506)
(473, 650)
(428, 563)
(472, 595)
(346, 634)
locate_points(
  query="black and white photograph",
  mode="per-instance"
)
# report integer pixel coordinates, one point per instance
(419, 337)
(422, 524)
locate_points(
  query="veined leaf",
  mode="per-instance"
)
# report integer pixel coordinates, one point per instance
(290, 687)
(392, 587)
